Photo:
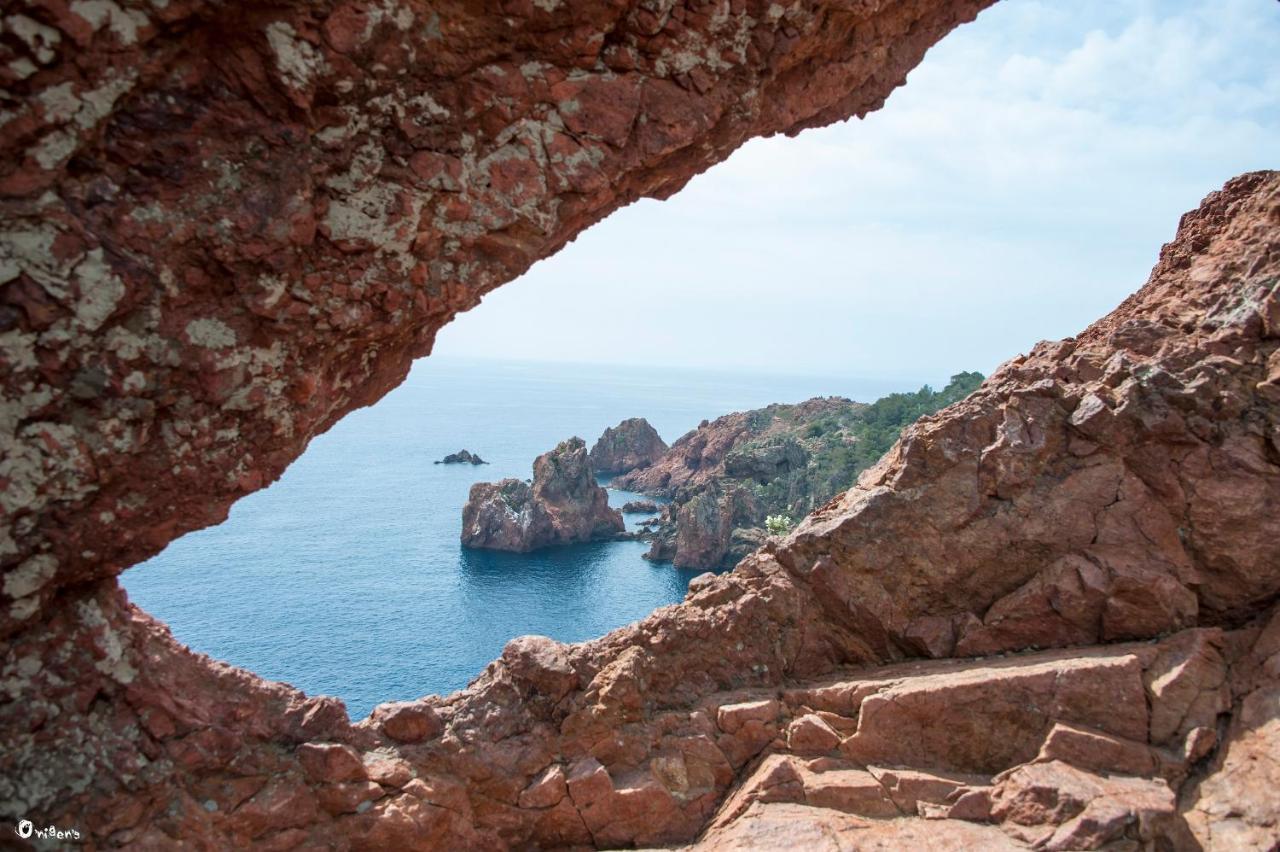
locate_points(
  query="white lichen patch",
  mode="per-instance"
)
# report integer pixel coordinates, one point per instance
(19, 407)
(31, 576)
(96, 104)
(22, 68)
(99, 290)
(59, 103)
(126, 345)
(113, 664)
(39, 39)
(398, 14)
(424, 104)
(44, 464)
(23, 608)
(54, 148)
(368, 216)
(123, 23)
(211, 333)
(297, 61)
(18, 350)
(357, 121)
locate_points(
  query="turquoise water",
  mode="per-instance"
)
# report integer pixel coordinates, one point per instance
(346, 577)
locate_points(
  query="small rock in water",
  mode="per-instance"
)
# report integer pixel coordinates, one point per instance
(462, 457)
(640, 507)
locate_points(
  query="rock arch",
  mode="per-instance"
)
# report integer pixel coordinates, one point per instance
(222, 228)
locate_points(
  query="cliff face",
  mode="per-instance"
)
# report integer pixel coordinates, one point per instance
(1118, 486)
(631, 444)
(563, 505)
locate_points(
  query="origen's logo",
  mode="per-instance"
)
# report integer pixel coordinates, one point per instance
(25, 830)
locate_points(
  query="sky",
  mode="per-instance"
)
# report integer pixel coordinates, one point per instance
(1016, 189)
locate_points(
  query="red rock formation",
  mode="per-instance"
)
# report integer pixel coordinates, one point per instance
(631, 444)
(758, 706)
(563, 505)
(226, 226)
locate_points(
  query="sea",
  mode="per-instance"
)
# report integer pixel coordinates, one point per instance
(346, 576)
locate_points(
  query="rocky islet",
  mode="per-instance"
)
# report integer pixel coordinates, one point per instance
(563, 504)
(462, 457)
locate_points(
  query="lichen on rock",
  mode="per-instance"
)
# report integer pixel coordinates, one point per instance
(201, 272)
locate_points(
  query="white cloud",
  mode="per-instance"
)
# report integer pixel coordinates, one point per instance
(1018, 187)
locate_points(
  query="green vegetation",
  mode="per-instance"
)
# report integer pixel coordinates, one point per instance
(778, 524)
(789, 460)
(844, 441)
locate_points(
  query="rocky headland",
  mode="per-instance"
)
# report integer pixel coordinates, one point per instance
(632, 444)
(727, 476)
(562, 505)
(462, 457)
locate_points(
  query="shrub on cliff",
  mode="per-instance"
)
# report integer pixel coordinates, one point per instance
(778, 524)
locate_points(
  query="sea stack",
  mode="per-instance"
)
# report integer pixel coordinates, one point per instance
(630, 445)
(562, 505)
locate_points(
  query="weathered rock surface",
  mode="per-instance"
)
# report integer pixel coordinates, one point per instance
(630, 445)
(1118, 486)
(225, 225)
(563, 505)
(462, 457)
(640, 507)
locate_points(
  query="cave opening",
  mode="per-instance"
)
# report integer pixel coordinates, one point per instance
(856, 260)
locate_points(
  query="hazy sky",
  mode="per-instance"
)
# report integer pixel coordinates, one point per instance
(1018, 187)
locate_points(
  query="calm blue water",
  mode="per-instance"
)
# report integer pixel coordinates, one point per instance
(346, 577)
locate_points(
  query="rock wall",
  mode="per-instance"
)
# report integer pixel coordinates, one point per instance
(224, 227)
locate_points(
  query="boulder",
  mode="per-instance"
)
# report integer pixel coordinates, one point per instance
(562, 505)
(630, 445)
(406, 721)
